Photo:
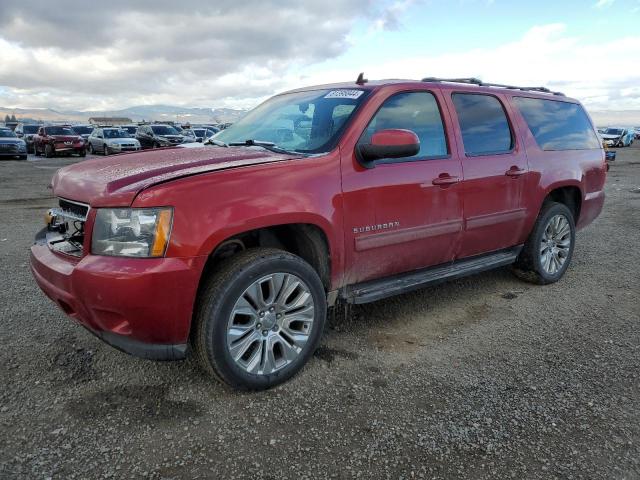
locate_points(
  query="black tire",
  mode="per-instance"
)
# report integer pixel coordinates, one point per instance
(82, 153)
(48, 151)
(220, 291)
(90, 148)
(528, 265)
(105, 150)
(156, 145)
(35, 151)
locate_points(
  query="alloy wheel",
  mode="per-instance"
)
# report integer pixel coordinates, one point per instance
(556, 244)
(270, 323)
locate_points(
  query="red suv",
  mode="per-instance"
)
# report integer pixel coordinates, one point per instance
(52, 140)
(345, 193)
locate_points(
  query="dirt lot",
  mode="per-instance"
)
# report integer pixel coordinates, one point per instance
(485, 377)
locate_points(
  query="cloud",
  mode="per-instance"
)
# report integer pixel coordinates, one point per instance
(118, 53)
(603, 3)
(544, 55)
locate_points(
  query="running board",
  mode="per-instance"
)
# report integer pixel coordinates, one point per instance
(386, 287)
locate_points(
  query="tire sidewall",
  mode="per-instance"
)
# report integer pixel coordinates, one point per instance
(555, 209)
(217, 321)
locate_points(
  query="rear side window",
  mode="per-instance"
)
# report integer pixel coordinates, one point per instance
(415, 111)
(557, 125)
(484, 125)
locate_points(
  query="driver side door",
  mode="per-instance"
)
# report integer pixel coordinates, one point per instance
(405, 213)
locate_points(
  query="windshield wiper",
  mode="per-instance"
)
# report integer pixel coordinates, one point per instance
(213, 141)
(260, 143)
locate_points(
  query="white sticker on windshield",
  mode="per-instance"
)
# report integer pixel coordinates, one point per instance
(344, 94)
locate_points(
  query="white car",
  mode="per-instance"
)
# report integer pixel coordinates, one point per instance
(111, 140)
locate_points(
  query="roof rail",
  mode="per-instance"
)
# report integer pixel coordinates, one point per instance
(480, 83)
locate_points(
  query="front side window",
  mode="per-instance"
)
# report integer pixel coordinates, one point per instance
(304, 122)
(415, 111)
(484, 125)
(558, 125)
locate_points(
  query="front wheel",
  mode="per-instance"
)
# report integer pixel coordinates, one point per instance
(548, 250)
(48, 150)
(90, 149)
(105, 150)
(259, 318)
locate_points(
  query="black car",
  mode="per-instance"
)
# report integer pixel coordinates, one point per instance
(26, 132)
(156, 136)
(83, 130)
(11, 146)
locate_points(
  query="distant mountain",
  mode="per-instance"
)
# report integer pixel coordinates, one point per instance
(137, 114)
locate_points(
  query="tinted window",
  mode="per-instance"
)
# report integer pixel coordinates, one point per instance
(164, 130)
(415, 111)
(484, 124)
(30, 128)
(557, 125)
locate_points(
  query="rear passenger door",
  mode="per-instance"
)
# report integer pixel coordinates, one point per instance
(495, 167)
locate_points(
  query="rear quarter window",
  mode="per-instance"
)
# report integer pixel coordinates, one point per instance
(557, 125)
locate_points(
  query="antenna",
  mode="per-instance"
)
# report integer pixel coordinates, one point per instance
(361, 80)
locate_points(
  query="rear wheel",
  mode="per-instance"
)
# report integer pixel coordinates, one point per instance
(548, 250)
(260, 317)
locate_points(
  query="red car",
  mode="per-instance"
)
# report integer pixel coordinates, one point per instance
(52, 140)
(342, 193)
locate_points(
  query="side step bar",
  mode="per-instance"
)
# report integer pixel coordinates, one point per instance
(387, 287)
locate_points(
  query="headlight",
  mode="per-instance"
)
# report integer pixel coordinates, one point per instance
(131, 232)
(114, 144)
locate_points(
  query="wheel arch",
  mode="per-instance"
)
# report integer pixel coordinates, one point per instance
(568, 194)
(309, 241)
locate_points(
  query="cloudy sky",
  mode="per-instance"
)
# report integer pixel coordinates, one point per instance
(119, 53)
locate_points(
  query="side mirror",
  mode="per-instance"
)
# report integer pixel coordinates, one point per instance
(391, 143)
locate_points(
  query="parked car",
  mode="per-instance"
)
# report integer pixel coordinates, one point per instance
(130, 129)
(203, 134)
(636, 131)
(617, 137)
(11, 146)
(54, 139)
(189, 135)
(233, 252)
(83, 130)
(159, 135)
(26, 132)
(111, 140)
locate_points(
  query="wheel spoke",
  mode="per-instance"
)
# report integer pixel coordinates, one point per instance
(270, 323)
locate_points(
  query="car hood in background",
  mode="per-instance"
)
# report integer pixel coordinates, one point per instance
(120, 141)
(115, 181)
(11, 140)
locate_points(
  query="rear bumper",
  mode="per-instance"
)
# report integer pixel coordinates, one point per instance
(140, 306)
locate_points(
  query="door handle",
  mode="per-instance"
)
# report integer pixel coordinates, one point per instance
(445, 179)
(515, 172)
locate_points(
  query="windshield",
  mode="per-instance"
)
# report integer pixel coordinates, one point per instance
(164, 130)
(6, 132)
(59, 131)
(305, 122)
(199, 132)
(82, 130)
(30, 129)
(613, 131)
(131, 129)
(115, 133)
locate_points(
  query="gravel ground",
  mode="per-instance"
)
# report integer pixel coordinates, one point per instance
(485, 377)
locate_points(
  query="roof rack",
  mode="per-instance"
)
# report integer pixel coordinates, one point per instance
(480, 83)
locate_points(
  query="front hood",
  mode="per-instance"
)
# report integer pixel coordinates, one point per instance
(115, 181)
(120, 141)
(65, 138)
